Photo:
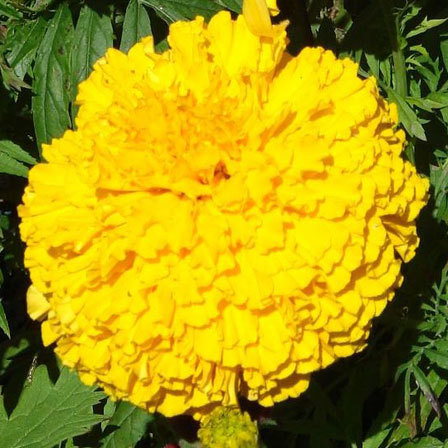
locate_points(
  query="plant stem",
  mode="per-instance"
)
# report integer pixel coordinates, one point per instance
(393, 31)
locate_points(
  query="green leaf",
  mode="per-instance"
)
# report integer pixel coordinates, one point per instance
(16, 152)
(425, 387)
(407, 392)
(93, 36)
(9, 11)
(8, 165)
(438, 385)
(425, 25)
(444, 50)
(383, 424)
(20, 348)
(233, 5)
(23, 45)
(11, 158)
(4, 322)
(423, 442)
(441, 359)
(136, 25)
(407, 116)
(174, 10)
(48, 413)
(52, 78)
(128, 426)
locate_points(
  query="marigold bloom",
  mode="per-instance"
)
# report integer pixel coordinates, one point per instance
(225, 220)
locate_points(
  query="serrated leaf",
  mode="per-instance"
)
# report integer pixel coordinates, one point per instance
(425, 386)
(440, 359)
(16, 152)
(4, 322)
(11, 158)
(128, 426)
(407, 116)
(24, 44)
(174, 10)
(48, 413)
(8, 165)
(136, 25)
(425, 25)
(93, 36)
(51, 84)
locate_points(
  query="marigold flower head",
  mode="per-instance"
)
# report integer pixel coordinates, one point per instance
(228, 428)
(225, 220)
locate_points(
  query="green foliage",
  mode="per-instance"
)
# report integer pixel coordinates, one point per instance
(127, 426)
(173, 10)
(93, 36)
(36, 420)
(394, 394)
(136, 25)
(12, 159)
(51, 84)
(4, 322)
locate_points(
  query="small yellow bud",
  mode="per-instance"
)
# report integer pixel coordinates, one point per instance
(228, 428)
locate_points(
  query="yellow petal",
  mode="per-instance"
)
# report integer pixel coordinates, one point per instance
(37, 304)
(273, 8)
(257, 17)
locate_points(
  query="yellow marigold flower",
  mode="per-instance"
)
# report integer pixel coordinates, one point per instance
(225, 220)
(228, 428)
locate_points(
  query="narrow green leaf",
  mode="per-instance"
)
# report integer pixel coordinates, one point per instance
(425, 387)
(442, 345)
(438, 385)
(9, 11)
(440, 359)
(93, 36)
(374, 64)
(23, 45)
(52, 78)
(4, 322)
(8, 165)
(48, 413)
(426, 25)
(444, 50)
(16, 152)
(407, 116)
(126, 427)
(136, 25)
(174, 10)
(407, 392)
